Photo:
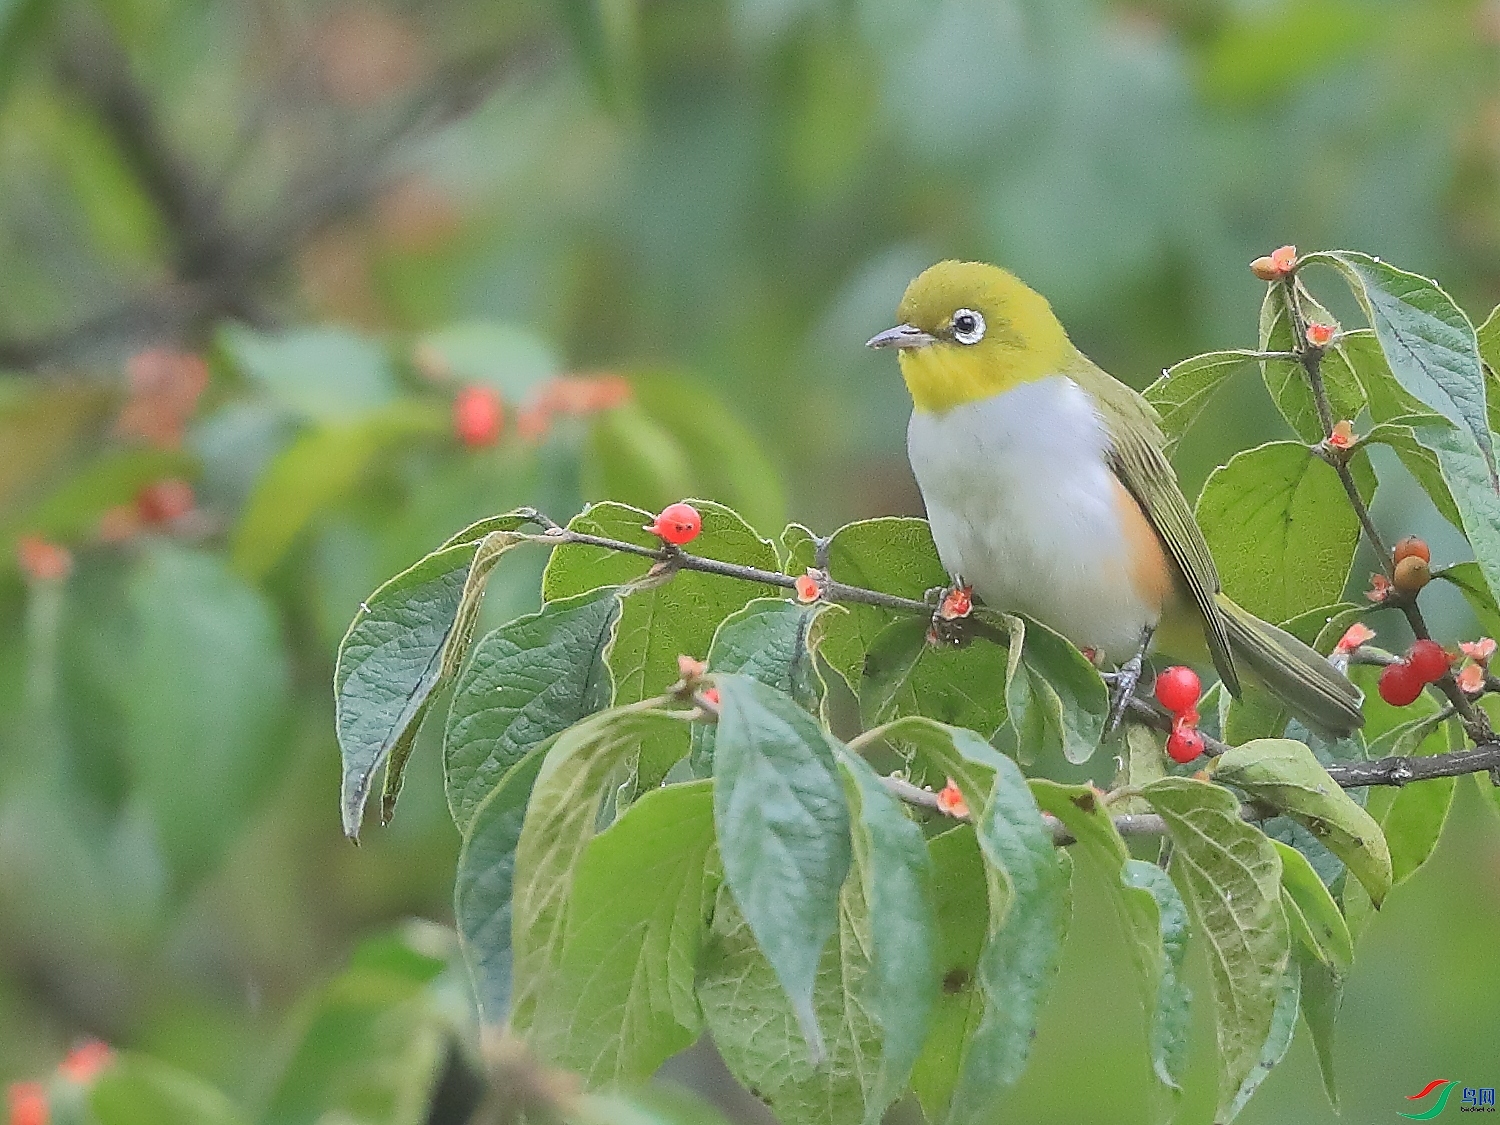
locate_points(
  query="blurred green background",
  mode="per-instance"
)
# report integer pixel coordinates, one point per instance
(341, 213)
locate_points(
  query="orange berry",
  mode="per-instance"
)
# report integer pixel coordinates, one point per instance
(1412, 547)
(43, 561)
(1412, 574)
(807, 588)
(1265, 269)
(478, 415)
(950, 800)
(677, 524)
(1320, 335)
(163, 501)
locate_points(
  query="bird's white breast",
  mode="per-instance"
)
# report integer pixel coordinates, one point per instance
(1022, 504)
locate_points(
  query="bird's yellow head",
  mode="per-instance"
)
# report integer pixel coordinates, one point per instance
(970, 331)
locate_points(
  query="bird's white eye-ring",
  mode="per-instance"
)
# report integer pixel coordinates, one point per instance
(968, 326)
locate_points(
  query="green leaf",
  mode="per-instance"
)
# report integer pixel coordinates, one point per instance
(72, 510)
(1055, 700)
(767, 640)
(893, 864)
(1321, 628)
(1412, 816)
(1281, 528)
(1185, 388)
(389, 663)
(619, 1001)
(894, 555)
(1322, 994)
(783, 830)
(1273, 1050)
(325, 374)
(527, 681)
(484, 888)
(1427, 340)
(904, 675)
(938, 751)
(1230, 874)
(1284, 773)
(508, 357)
(1311, 912)
(314, 473)
(1150, 909)
(204, 701)
(138, 1090)
(559, 824)
(1287, 382)
(1020, 958)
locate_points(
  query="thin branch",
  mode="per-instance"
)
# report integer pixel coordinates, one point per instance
(1476, 725)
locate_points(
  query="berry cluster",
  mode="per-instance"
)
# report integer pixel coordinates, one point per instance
(1178, 690)
(1424, 663)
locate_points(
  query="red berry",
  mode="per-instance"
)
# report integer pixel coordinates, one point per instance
(1428, 661)
(678, 524)
(477, 416)
(1178, 688)
(28, 1103)
(1184, 744)
(1400, 684)
(163, 501)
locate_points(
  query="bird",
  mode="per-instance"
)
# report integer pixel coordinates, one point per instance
(1049, 494)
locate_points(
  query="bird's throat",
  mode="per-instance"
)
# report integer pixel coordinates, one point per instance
(945, 375)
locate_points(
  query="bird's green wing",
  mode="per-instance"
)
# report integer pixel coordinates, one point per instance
(1143, 468)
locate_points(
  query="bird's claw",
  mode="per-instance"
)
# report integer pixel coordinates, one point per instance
(1125, 682)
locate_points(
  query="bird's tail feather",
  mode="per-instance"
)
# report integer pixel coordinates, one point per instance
(1292, 671)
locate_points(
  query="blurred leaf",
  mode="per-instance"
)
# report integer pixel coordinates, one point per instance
(1150, 909)
(137, 1090)
(1231, 875)
(72, 510)
(619, 1001)
(204, 700)
(559, 824)
(1184, 389)
(1260, 53)
(40, 422)
(1273, 1050)
(323, 374)
(527, 681)
(508, 357)
(1281, 528)
(633, 459)
(1284, 774)
(892, 862)
(726, 460)
(783, 830)
(319, 469)
(767, 640)
(603, 34)
(1427, 340)
(483, 886)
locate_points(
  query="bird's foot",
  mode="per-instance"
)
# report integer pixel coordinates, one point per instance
(954, 605)
(1126, 681)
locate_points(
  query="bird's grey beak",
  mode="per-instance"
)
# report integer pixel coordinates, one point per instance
(901, 336)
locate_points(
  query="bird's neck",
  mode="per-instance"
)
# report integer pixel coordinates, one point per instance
(945, 376)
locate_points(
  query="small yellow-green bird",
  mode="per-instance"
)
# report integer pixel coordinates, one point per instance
(1049, 493)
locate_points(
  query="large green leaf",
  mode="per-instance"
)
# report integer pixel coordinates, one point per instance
(1020, 956)
(1185, 388)
(315, 472)
(389, 664)
(1427, 340)
(560, 822)
(527, 681)
(905, 675)
(892, 862)
(1311, 912)
(1322, 994)
(768, 640)
(1281, 528)
(894, 555)
(1055, 701)
(1230, 875)
(203, 700)
(783, 830)
(1278, 1039)
(1423, 464)
(1412, 816)
(1283, 773)
(484, 886)
(620, 999)
(1151, 911)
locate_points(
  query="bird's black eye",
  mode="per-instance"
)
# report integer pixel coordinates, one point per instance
(968, 326)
